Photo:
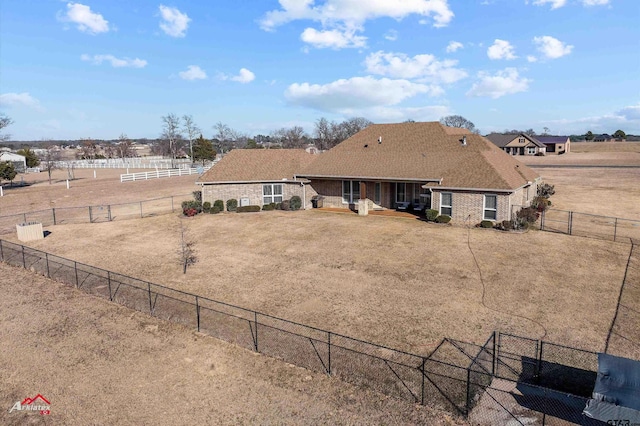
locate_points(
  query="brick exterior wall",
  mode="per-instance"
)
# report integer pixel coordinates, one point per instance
(468, 207)
(253, 191)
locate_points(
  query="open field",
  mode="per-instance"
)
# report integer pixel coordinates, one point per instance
(394, 281)
(99, 363)
(85, 190)
(591, 154)
(577, 147)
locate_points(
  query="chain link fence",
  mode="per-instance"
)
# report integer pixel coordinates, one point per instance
(508, 380)
(590, 225)
(95, 213)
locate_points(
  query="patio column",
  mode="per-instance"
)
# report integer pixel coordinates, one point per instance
(363, 190)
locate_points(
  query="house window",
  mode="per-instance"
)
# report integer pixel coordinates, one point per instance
(401, 192)
(272, 193)
(490, 207)
(521, 140)
(377, 193)
(446, 203)
(350, 191)
(531, 150)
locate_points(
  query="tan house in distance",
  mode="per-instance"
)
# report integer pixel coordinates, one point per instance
(518, 144)
(409, 166)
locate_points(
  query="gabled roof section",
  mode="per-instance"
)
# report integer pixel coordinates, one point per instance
(552, 139)
(501, 140)
(258, 165)
(427, 152)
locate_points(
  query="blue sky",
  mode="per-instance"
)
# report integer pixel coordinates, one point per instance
(100, 68)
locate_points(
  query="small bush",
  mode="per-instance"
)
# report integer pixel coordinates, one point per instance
(219, 204)
(248, 209)
(191, 205)
(506, 225)
(197, 195)
(285, 205)
(270, 206)
(278, 206)
(215, 210)
(540, 203)
(486, 224)
(443, 219)
(431, 214)
(545, 190)
(190, 212)
(295, 203)
(526, 217)
(232, 205)
(206, 207)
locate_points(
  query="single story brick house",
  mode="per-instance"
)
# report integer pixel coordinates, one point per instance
(427, 165)
(556, 144)
(518, 143)
(258, 177)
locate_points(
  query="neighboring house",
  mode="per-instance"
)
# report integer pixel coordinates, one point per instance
(258, 177)
(517, 144)
(603, 138)
(18, 161)
(556, 144)
(428, 165)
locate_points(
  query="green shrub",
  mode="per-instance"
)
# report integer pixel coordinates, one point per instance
(486, 224)
(232, 205)
(215, 210)
(278, 206)
(540, 203)
(285, 205)
(443, 219)
(506, 225)
(191, 205)
(270, 206)
(431, 214)
(206, 206)
(248, 209)
(219, 204)
(526, 217)
(295, 203)
(545, 190)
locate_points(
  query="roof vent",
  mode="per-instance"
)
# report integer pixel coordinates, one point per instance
(380, 139)
(366, 145)
(464, 141)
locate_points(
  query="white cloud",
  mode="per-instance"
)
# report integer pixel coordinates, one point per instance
(335, 39)
(501, 49)
(555, 4)
(505, 82)
(595, 2)
(9, 100)
(86, 20)
(424, 67)
(391, 35)
(244, 76)
(353, 13)
(193, 72)
(115, 62)
(174, 23)
(531, 58)
(453, 46)
(355, 93)
(630, 112)
(626, 118)
(552, 48)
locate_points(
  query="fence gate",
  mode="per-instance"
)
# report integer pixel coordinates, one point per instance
(100, 213)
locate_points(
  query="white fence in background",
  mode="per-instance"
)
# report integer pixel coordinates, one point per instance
(132, 163)
(131, 177)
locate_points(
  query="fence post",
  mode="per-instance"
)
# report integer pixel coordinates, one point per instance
(109, 211)
(570, 222)
(538, 371)
(255, 320)
(140, 208)
(46, 256)
(109, 284)
(24, 218)
(329, 343)
(1, 252)
(615, 229)
(493, 361)
(150, 305)
(53, 213)
(198, 313)
(424, 362)
(75, 268)
(90, 215)
(542, 220)
(172, 204)
(468, 403)
(24, 263)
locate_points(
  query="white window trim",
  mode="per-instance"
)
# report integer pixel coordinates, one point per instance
(273, 192)
(485, 208)
(351, 192)
(448, 206)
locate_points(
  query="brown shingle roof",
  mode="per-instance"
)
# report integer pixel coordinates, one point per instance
(258, 165)
(422, 151)
(502, 139)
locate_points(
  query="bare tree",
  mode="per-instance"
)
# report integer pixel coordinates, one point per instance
(50, 160)
(5, 121)
(187, 250)
(293, 137)
(354, 125)
(458, 121)
(322, 133)
(170, 132)
(88, 149)
(192, 131)
(124, 148)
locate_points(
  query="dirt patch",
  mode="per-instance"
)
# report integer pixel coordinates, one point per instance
(99, 363)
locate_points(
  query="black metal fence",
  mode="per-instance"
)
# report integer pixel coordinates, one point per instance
(95, 213)
(590, 225)
(479, 381)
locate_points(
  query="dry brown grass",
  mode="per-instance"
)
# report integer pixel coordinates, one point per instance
(394, 281)
(99, 363)
(577, 147)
